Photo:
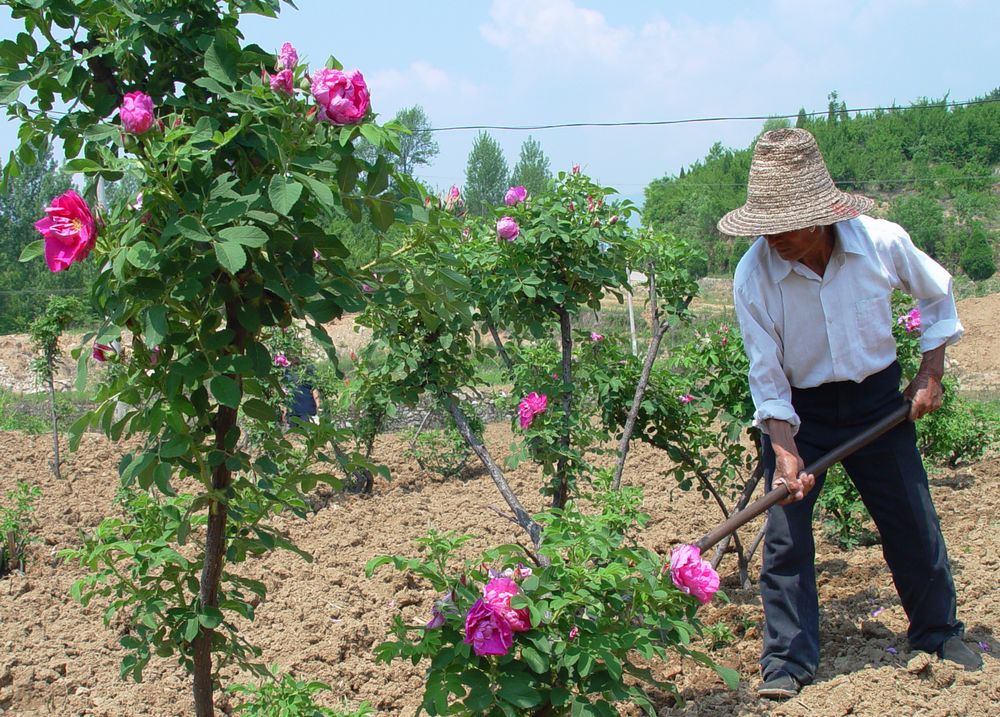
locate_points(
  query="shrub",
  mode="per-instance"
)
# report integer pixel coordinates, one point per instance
(977, 258)
(285, 696)
(596, 602)
(846, 520)
(15, 524)
(960, 431)
(441, 451)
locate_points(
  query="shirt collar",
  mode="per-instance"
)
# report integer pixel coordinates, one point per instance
(848, 242)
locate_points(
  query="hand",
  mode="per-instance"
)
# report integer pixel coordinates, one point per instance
(790, 470)
(925, 394)
(788, 466)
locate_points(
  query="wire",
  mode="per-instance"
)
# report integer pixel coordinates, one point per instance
(693, 120)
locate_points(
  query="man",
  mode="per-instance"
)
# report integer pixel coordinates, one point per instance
(812, 298)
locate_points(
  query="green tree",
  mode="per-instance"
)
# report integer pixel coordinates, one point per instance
(977, 257)
(532, 168)
(418, 147)
(921, 215)
(485, 176)
(772, 123)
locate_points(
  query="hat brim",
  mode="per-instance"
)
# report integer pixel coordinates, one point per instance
(748, 221)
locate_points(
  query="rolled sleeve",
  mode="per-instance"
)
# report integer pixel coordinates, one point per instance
(769, 385)
(779, 409)
(930, 284)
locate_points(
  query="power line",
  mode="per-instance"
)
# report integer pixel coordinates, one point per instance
(694, 120)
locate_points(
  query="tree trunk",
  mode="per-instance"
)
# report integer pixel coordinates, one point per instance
(55, 420)
(562, 465)
(215, 541)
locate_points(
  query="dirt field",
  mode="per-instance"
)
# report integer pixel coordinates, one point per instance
(322, 619)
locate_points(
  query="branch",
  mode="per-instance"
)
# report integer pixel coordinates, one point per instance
(742, 503)
(521, 516)
(500, 348)
(640, 392)
(562, 468)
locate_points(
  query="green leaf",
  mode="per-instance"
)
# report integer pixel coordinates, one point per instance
(156, 325)
(261, 410)
(321, 191)
(283, 192)
(142, 255)
(33, 250)
(231, 256)
(535, 661)
(220, 59)
(191, 629)
(189, 227)
(382, 212)
(519, 693)
(226, 391)
(247, 235)
(87, 166)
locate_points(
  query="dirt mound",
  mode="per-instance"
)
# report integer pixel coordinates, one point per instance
(976, 358)
(322, 618)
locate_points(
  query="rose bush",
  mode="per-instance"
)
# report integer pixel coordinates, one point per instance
(241, 187)
(553, 639)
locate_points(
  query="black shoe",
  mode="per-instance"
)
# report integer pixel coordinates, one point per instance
(779, 686)
(955, 650)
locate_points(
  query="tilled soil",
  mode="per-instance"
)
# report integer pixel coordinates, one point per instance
(322, 619)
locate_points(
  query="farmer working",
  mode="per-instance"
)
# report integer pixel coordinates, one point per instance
(812, 298)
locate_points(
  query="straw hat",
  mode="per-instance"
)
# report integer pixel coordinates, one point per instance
(790, 188)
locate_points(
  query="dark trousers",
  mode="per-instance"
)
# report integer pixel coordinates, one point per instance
(891, 480)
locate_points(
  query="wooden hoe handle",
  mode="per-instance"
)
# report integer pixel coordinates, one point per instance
(778, 494)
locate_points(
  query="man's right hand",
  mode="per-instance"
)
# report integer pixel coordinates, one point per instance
(789, 469)
(788, 465)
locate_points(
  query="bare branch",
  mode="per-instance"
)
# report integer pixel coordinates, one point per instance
(500, 347)
(533, 529)
(562, 467)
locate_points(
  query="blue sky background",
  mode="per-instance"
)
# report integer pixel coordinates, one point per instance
(550, 61)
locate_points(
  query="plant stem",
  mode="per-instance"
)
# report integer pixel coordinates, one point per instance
(562, 465)
(215, 541)
(52, 413)
(500, 347)
(521, 516)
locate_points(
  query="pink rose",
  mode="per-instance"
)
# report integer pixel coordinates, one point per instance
(507, 228)
(571, 206)
(487, 631)
(691, 574)
(497, 595)
(283, 82)
(342, 96)
(68, 230)
(910, 321)
(685, 398)
(281, 360)
(576, 169)
(102, 352)
(594, 336)
(613, 219)
(574, 631)
(136, 112)
(367, 288)
(154, 356)
(515, 195)
(530, 406)
(453, 199)
(288, 58)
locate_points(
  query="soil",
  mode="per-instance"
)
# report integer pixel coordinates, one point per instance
(322, 619)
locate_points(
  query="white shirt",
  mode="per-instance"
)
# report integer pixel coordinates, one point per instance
(839, 325)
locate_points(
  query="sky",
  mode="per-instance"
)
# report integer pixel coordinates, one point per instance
(517, 62)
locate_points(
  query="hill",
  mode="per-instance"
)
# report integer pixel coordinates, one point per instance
(933, 167)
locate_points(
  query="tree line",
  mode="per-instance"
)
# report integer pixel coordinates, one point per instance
(931, 167)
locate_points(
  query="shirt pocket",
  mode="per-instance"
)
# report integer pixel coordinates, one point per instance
(874, 321)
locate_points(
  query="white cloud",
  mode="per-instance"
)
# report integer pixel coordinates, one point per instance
(419, 83)
(554, 27)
